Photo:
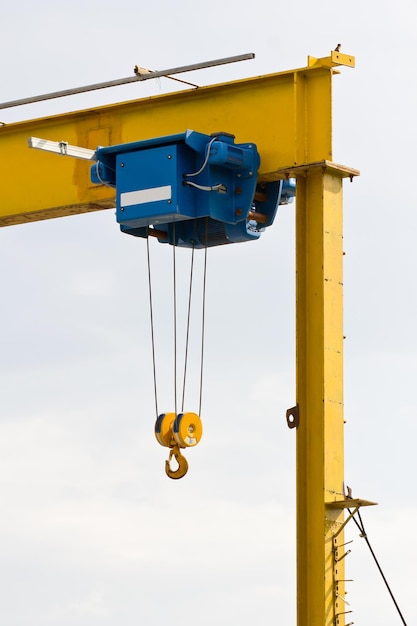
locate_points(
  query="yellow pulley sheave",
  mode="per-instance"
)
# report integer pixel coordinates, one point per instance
(187, 429)
(178, 431)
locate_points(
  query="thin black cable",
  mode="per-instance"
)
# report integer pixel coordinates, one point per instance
(365, 536)
(203, 320)
(175, 316)
(152, 328)
(188, 328)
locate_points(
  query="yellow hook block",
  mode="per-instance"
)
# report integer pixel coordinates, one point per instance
(178, 431)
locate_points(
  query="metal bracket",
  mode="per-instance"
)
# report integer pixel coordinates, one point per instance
(62, 148)
(293, 417)
(348, 503)
(335, 59)
(294, 171)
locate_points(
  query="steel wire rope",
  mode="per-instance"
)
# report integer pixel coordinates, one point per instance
(175, 314)
(202, 323)
(203, 318)
(152, 327)
(175, 323)
(188, 328)
(364, 535)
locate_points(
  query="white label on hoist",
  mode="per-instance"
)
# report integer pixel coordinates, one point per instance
(142, 196)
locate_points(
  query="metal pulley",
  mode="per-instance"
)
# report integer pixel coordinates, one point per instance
(187, 429)
(164, 429)
(178, 431)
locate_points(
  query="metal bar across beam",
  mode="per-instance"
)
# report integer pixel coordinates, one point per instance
(147, 75)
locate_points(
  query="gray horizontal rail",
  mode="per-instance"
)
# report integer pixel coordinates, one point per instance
(129, 79)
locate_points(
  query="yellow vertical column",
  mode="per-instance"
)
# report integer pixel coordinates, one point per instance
(320, 440)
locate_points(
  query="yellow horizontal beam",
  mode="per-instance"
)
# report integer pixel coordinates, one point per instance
(287, 115)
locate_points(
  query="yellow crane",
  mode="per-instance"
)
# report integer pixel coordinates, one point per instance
(288, 115)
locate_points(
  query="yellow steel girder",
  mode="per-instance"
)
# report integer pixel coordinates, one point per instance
(287, 115)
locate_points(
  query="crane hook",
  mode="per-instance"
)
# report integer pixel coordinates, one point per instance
(182, 464)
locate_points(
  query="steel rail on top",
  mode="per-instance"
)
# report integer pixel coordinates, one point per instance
(138, 77)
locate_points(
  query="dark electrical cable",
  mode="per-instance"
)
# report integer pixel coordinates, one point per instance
(365, 536)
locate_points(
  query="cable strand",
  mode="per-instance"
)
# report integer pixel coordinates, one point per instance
(203, 319)
(175, 315)
(152, 327)
(188, 328)
(365, 536)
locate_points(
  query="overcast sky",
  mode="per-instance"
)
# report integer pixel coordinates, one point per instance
(91, 529)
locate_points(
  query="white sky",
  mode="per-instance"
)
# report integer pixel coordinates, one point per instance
(91, 530)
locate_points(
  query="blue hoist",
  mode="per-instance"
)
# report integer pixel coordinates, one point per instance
(190, 190)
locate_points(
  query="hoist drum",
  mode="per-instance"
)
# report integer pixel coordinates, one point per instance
(187, 429)
(163, 428)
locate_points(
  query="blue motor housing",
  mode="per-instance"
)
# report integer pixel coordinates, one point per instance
(192, 189)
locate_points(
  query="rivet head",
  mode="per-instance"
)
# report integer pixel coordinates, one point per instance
(122, 164)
